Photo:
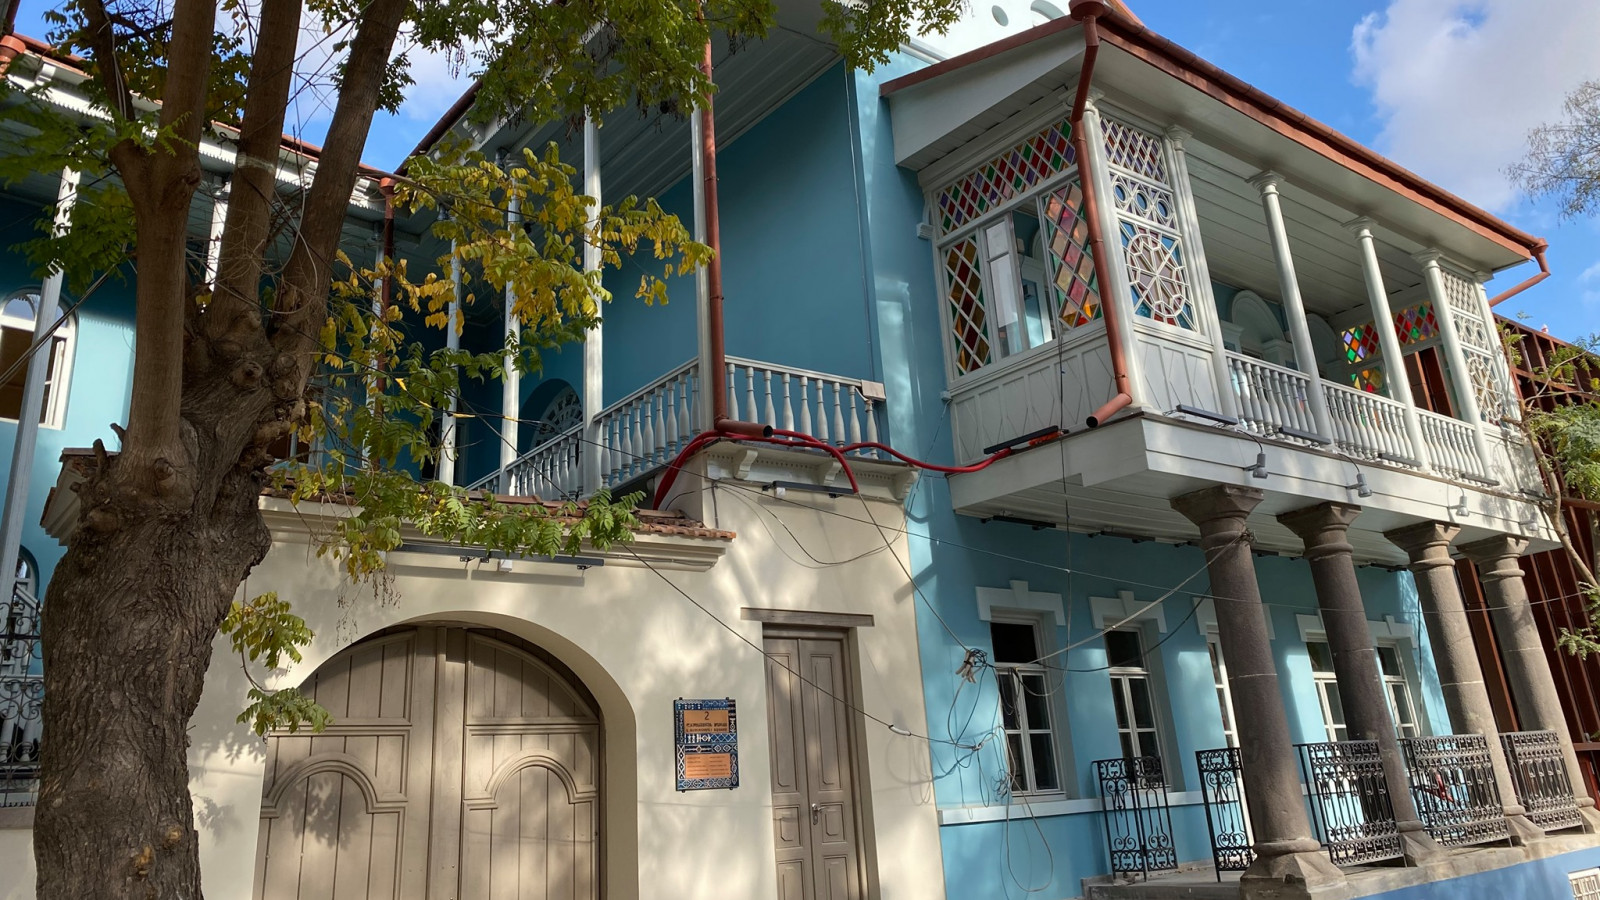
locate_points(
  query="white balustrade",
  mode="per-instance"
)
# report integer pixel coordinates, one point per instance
(1452, 446)
(647, 428)
(1271, 397)
(1368, 425)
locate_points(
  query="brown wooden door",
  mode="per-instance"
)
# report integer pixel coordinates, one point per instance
(458, 767)
(813, 782)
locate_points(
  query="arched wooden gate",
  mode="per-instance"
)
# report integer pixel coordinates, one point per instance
(458, 765)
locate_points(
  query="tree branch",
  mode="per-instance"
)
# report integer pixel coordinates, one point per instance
(309, 269)
(255, 176)
(102, 41)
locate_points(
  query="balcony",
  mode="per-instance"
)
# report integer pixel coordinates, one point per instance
(1271, 339)
(643, 432)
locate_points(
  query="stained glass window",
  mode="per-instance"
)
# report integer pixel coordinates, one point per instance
(1156, 276)
(967, 313)
(1077, 294)
(1413, 325)
(1369, 380)
(1135, 150)
(1005, 177)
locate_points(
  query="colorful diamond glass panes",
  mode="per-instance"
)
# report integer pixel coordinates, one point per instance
(1360, 343)
(1156, 277)
(1134, 150)
(1005, 176)
(1416, 324)
(967, 314)
(1066, 233)
(1413, 325)
(1369, 380)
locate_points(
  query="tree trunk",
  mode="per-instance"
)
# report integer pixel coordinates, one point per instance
(133, 609)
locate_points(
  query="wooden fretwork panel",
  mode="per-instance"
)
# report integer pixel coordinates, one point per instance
(449, 748)
(813, 782)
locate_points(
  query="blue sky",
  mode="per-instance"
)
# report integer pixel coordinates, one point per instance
(1447, 88)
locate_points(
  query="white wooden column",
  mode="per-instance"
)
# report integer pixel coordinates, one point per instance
(219, 219)
(1460, 375)
(452, 341)
(703, 411)
(1200, 271)
(593, 370)
(1116, 297)
(1294, 307)
(511, 383)
(1394, 366)
(44, 321)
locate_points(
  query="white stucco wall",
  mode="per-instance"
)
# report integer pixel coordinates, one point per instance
(638, 645)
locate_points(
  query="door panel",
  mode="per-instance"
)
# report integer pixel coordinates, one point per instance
(499, 752)
(814, 813)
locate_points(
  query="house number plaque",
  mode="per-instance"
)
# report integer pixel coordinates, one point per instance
(707, 733)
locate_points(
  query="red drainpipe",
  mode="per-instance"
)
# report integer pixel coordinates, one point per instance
(717, 378)
(11, 47)
(1087, 11)
(1542, 274)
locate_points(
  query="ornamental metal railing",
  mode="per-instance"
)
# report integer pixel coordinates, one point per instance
(1452, 781)
(1540, 775)
(1227, 816)
(21, 699)
(1133, 792)
(1351, 810)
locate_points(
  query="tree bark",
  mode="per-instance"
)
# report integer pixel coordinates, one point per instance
(171, 526)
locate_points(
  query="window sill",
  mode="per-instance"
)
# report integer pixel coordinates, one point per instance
(1038, 809)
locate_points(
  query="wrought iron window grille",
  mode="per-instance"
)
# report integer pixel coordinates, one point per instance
(1351, 811)
(1452, 781)
(1227, 815)
(21, 699)
(1540, 776)
(1138, 821)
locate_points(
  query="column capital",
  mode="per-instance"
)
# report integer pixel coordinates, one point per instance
(1429, 257)
(1427, 543)
(1266, 181)
(1177, 134)
(1361, 226)
(1322, 524)
(1495, 551)
(1223, 501)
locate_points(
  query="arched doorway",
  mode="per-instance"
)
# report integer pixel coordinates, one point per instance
(461, 763)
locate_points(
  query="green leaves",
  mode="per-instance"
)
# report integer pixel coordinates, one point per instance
(263, 629)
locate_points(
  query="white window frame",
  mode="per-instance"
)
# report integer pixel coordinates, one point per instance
(1219, 677)
(1585, 884)
(1122, 678)
(1411, 726)
(1025, 769)
(63, 341)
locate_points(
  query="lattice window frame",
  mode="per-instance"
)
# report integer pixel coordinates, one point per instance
(1074, 273)
(1416, 325)
(1479, 337)
(1139, 170)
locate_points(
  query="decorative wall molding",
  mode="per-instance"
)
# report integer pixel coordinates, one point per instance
(1313, 629)
(1108, 611)
(1019, 597)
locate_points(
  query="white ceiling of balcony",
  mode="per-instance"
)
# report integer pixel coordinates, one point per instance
(1327, 259)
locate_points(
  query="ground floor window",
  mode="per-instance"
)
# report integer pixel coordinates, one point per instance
(1131, 695)
(1219, 678)
(1396, 688)
(1025, 708)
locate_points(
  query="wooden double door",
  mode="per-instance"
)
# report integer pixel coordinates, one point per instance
(814, 786)
(458, 765)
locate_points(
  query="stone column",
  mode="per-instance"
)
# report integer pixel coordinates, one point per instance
(1286, 853)
(1527, 668)
(1325, 529)
(1466, 698)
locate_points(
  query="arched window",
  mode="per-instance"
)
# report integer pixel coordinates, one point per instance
(1044, 11)
(17, 316)
(27, 572)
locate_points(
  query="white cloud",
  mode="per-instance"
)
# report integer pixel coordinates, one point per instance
(1457, 84)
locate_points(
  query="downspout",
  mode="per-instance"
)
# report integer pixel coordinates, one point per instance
(717, 378)
(1542, 274)
(1087, 11)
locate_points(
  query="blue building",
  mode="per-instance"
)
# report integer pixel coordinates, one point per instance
(1180, 404)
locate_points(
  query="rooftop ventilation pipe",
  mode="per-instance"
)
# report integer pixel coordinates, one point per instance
(1087, 11)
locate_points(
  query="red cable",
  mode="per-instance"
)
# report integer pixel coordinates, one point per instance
(784, 438)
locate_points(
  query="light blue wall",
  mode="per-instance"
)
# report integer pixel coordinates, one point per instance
(1540, 879)
(101, 370)
(952, 556)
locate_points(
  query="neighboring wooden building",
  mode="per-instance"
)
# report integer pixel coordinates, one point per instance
(1552, 579)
